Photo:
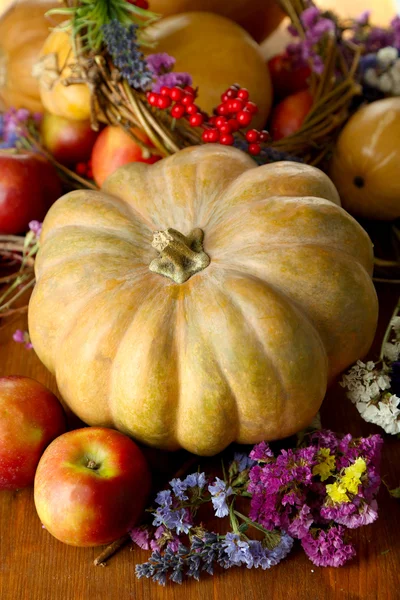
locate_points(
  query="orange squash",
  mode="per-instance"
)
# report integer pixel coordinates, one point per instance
(258, 17)
(365, 163)
(200, 300)
(217, 53)
(72, 101)
(23, 30)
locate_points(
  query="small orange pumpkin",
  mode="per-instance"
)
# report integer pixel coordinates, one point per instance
(23, 30)
(365, 163)
(202, 300)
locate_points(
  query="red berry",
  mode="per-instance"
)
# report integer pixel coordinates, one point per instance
(224, 97)
(165, 91)
(251, 107)
(252, 135)
(222, 109)
(236, 105)
(205, 135)
(192, 109)
(196, 120)
(152, 98)
(81, 168)
(226, 128)
(89, 174)
(231, 92)
(254, 149)
(187, 99)
(226, 139)
(177, 111)
(163, 102)
(243, 94)
(219, 121)
(264, 136)
(243, 118)
(213, 135)
(139, 3)
(189, 90)
(234, 125)
(176, 94)
(213, 120)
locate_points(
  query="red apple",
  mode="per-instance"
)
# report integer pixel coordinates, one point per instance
(288, 116)
(30, 418)
(29, 185)
(70, 142)
(91, 486)
(113, 149)
(287, 78)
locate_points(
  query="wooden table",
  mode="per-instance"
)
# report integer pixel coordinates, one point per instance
(35, 566)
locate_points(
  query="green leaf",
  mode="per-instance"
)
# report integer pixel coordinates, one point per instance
(395, 492)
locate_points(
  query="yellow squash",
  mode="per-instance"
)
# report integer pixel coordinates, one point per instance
(365, 164)
(202, 300)
(71, 101)
(217, 53)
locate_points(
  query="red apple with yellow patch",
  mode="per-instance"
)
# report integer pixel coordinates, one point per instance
(30, 418)
(91, 486)
(70, 142)
(115, 148)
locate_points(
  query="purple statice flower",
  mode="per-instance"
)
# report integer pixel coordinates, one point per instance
(220, 493)
(310, 17)
(352, 515)
(243, 461)
(261, 452)
(141, 537)
(363, 18)
(300, 526)
(327, 548)
(237, 551)
(324, 438)
(171, 80)
(22, 337)
(195, 480)
(36, 227)
(164, 498)
(174, 519)
(160, 63)
(179, 488)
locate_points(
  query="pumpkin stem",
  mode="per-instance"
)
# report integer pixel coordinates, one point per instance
(180, 256)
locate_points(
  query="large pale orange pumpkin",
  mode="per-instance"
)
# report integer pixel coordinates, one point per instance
(23, 30)
(217, 53)
(201, 300)
(365, 163)
(258, 17)
(57, 57)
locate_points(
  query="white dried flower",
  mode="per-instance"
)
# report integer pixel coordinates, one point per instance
(395, 322)
(385, 83)
(396, 68)
(391, 351)
(371, 77)
(386, 56)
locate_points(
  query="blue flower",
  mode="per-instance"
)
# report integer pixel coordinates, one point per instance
(179, 488)
(243, 461)
(195, 480)
(237, 550)
(219, 495)
(164, 498)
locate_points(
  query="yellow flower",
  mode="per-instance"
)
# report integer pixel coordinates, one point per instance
(326, 465)
(337, 493)
(351, 478)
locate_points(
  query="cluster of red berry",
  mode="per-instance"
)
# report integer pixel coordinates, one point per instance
(139, 3)
(84, 169)
(233, 114)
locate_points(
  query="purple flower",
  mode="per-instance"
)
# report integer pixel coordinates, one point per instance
(219, 494)
(36, 227)
(171, 80)
(261, 452)
(363, 19)
(179, 488)
(160, 63)
(141, 537)
(19, 336)
(164, 498)
(238, 550)
(22, 115)
(195, 480)
(327, 548)
(243, 461)
(300, 526)
(310, 16)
